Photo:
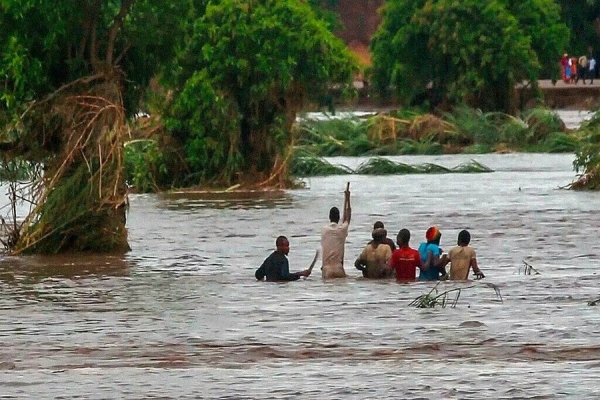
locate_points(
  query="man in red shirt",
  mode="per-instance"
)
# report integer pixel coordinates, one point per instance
(405, 260)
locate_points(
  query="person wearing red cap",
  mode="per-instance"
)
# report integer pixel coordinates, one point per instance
(431, 255)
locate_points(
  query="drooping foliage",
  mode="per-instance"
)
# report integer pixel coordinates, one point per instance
(246, 70)
(471, 52)
(587, 156)
(71, 71)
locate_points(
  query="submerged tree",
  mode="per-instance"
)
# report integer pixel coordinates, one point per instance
(70, 73)
(471, 51)
(587, 156)
(244, 73)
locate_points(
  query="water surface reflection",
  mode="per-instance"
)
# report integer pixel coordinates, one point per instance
(182, 317)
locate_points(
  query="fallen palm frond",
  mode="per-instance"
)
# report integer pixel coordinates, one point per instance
(305, 164)
(528, 269)
(335, 137)
(435, 298)
(429, 125)
(384, 166)
(429, 168)
(471, 167)
(496, 290)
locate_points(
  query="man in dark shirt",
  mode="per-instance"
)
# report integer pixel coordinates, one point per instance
(276, 267)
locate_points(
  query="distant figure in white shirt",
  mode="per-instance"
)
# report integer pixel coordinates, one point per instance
(333, 240)
(591, 69)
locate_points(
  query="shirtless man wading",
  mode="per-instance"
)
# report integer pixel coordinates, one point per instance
(333, 240)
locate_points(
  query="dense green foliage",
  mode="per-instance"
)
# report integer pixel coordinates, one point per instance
(581, 18)
(587, 159)
(471, 52)
(70, 73)
(47, 44)
(464, 130)
(242, 76)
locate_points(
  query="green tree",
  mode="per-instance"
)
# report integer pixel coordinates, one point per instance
(70, 72)
(240, 80)
(581, 17)
(471, 52)
(541, 21)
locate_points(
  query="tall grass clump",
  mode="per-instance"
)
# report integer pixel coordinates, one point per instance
(143, 165)
(475, 125)
(305, 164)
(334, 137)
(541, 123)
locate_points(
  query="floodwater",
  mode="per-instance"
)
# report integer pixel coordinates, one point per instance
(182, 317)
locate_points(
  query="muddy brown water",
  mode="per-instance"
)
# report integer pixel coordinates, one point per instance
(181, 316)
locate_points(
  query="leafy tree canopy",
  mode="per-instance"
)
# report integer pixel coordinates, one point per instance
(46, 44)
(242, 76)
(472, 51)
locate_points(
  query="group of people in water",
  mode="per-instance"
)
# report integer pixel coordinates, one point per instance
(381, 258)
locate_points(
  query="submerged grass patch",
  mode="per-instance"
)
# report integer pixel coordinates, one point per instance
(305, 165)
(438, 298)
(383, 166)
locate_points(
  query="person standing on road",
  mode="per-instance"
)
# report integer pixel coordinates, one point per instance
(591, 69)
(564, 64)
(582, 69)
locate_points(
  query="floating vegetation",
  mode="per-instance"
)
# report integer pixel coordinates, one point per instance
(307, 164)
(450, 297)
(471, 167)
(528, 269)
(384, 166)
(304, 164)
(434, 299)
(541, 123)
(594, 302)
